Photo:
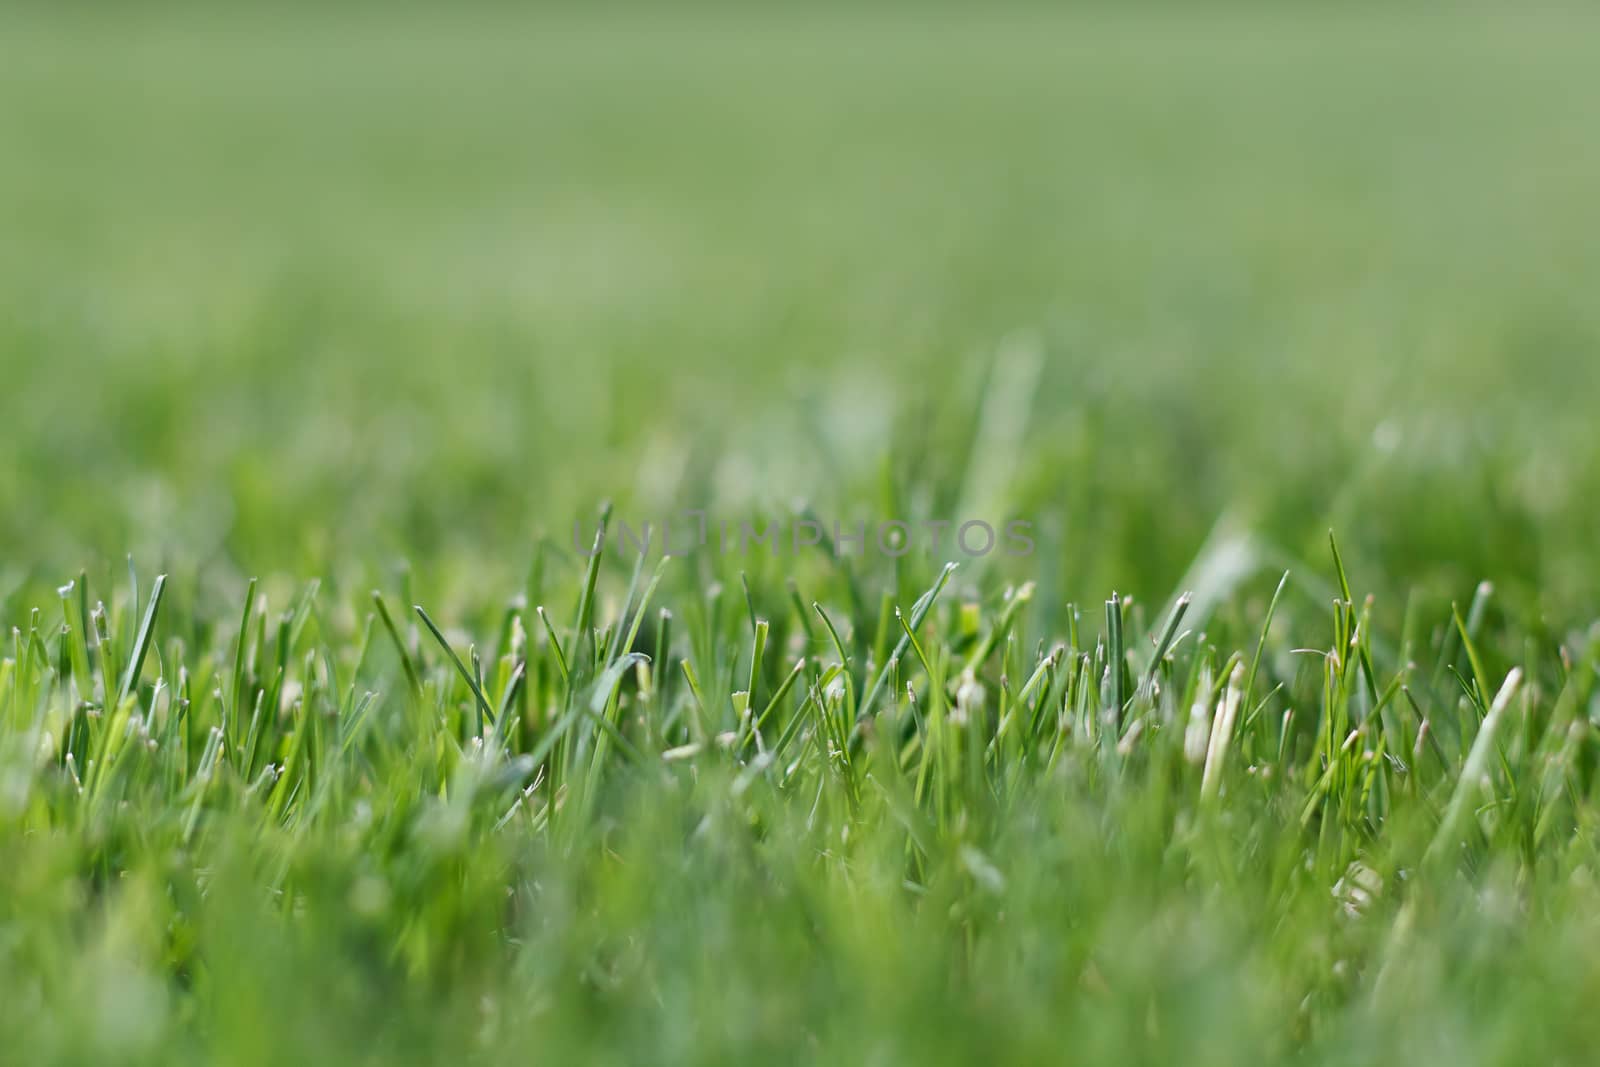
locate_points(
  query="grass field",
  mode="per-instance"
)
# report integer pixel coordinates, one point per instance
(339, 323)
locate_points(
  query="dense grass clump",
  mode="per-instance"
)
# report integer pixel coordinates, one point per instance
(771, 822)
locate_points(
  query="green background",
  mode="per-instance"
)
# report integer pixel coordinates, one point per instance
(305, 291)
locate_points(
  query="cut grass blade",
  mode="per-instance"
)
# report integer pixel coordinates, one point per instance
(1453, 823)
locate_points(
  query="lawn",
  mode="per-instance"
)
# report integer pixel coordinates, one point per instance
(1264, 340)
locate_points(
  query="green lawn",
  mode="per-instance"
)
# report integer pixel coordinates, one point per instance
(299, 307)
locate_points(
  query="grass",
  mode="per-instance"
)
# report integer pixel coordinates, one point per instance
(339, 833)
(337, 323)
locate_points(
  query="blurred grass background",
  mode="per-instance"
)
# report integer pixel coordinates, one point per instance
(316, 290)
